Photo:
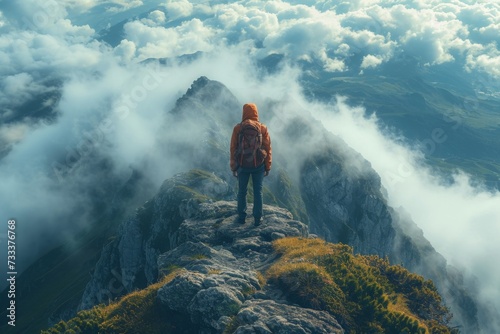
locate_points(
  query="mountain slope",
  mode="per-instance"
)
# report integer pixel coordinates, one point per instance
(224, 277)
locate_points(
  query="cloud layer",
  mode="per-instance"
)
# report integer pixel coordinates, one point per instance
(107, 98)
(377, 31)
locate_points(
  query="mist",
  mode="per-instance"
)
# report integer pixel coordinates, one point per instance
(114, 108)
(118, 115)
(457, 217)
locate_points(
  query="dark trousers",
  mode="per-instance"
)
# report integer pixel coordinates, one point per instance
(257, 179)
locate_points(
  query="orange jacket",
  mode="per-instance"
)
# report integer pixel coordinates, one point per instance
(251, 114)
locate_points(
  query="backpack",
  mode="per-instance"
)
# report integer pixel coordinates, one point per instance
(249, 153)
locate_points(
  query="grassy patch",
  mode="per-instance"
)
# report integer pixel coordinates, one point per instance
(138, 312)
(365, 293)
(261, 278)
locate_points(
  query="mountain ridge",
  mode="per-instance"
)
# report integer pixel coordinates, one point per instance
(224, 277)
(350, 198)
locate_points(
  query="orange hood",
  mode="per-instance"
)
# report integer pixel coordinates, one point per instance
(250, 112)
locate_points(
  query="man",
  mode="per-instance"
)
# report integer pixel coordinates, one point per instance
(250, 156)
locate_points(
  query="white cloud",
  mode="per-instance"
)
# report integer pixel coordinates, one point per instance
(29, 51)
(239, 23)
(302, 38)
(126, 50)
(334, 65)
(117, 6)
(285, 11)
(432, 31)
(489, 63)
(2, 20)
(16, 85)
(154, 19)
(159, 42)
(178, 9)
(370, 61)
(64, 29)
(157, 16)
(490, 33)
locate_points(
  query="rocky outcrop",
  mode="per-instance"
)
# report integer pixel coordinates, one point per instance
(347, 207)
(129, 261)
(218, 287)
(267, 316)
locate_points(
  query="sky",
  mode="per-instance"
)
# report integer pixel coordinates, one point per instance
(56, 47)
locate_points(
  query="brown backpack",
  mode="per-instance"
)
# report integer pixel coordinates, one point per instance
(249, 152)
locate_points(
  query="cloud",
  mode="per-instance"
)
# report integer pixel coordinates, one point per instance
(370, 61)
(485, 62)
(155, 18)
(159, 42)
(432, 32)
(332, 64)
(126, 51)
(11, 134)
(17, 87)
(2, 20)
(178, 9)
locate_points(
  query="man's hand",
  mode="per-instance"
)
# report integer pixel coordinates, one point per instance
(235, 173)
(266, 173)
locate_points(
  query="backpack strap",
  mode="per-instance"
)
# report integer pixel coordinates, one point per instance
(241, 142)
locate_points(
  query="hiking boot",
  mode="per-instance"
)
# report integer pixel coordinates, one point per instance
(240, 220)
(257, 222)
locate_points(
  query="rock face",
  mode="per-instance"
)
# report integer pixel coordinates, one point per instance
(316, 176)
(347, 208)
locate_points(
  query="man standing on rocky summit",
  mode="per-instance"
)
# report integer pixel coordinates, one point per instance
(250, 155)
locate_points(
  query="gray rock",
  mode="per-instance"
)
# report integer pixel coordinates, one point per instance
(192, 254)
(131, 252)
(345, 206)
(105, 284)
(267, 316)
(209, 305)
(218, 226)
(177, 294)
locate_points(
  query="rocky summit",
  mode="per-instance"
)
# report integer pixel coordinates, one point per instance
(221, 260)
(212, 274)
(219, 257)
